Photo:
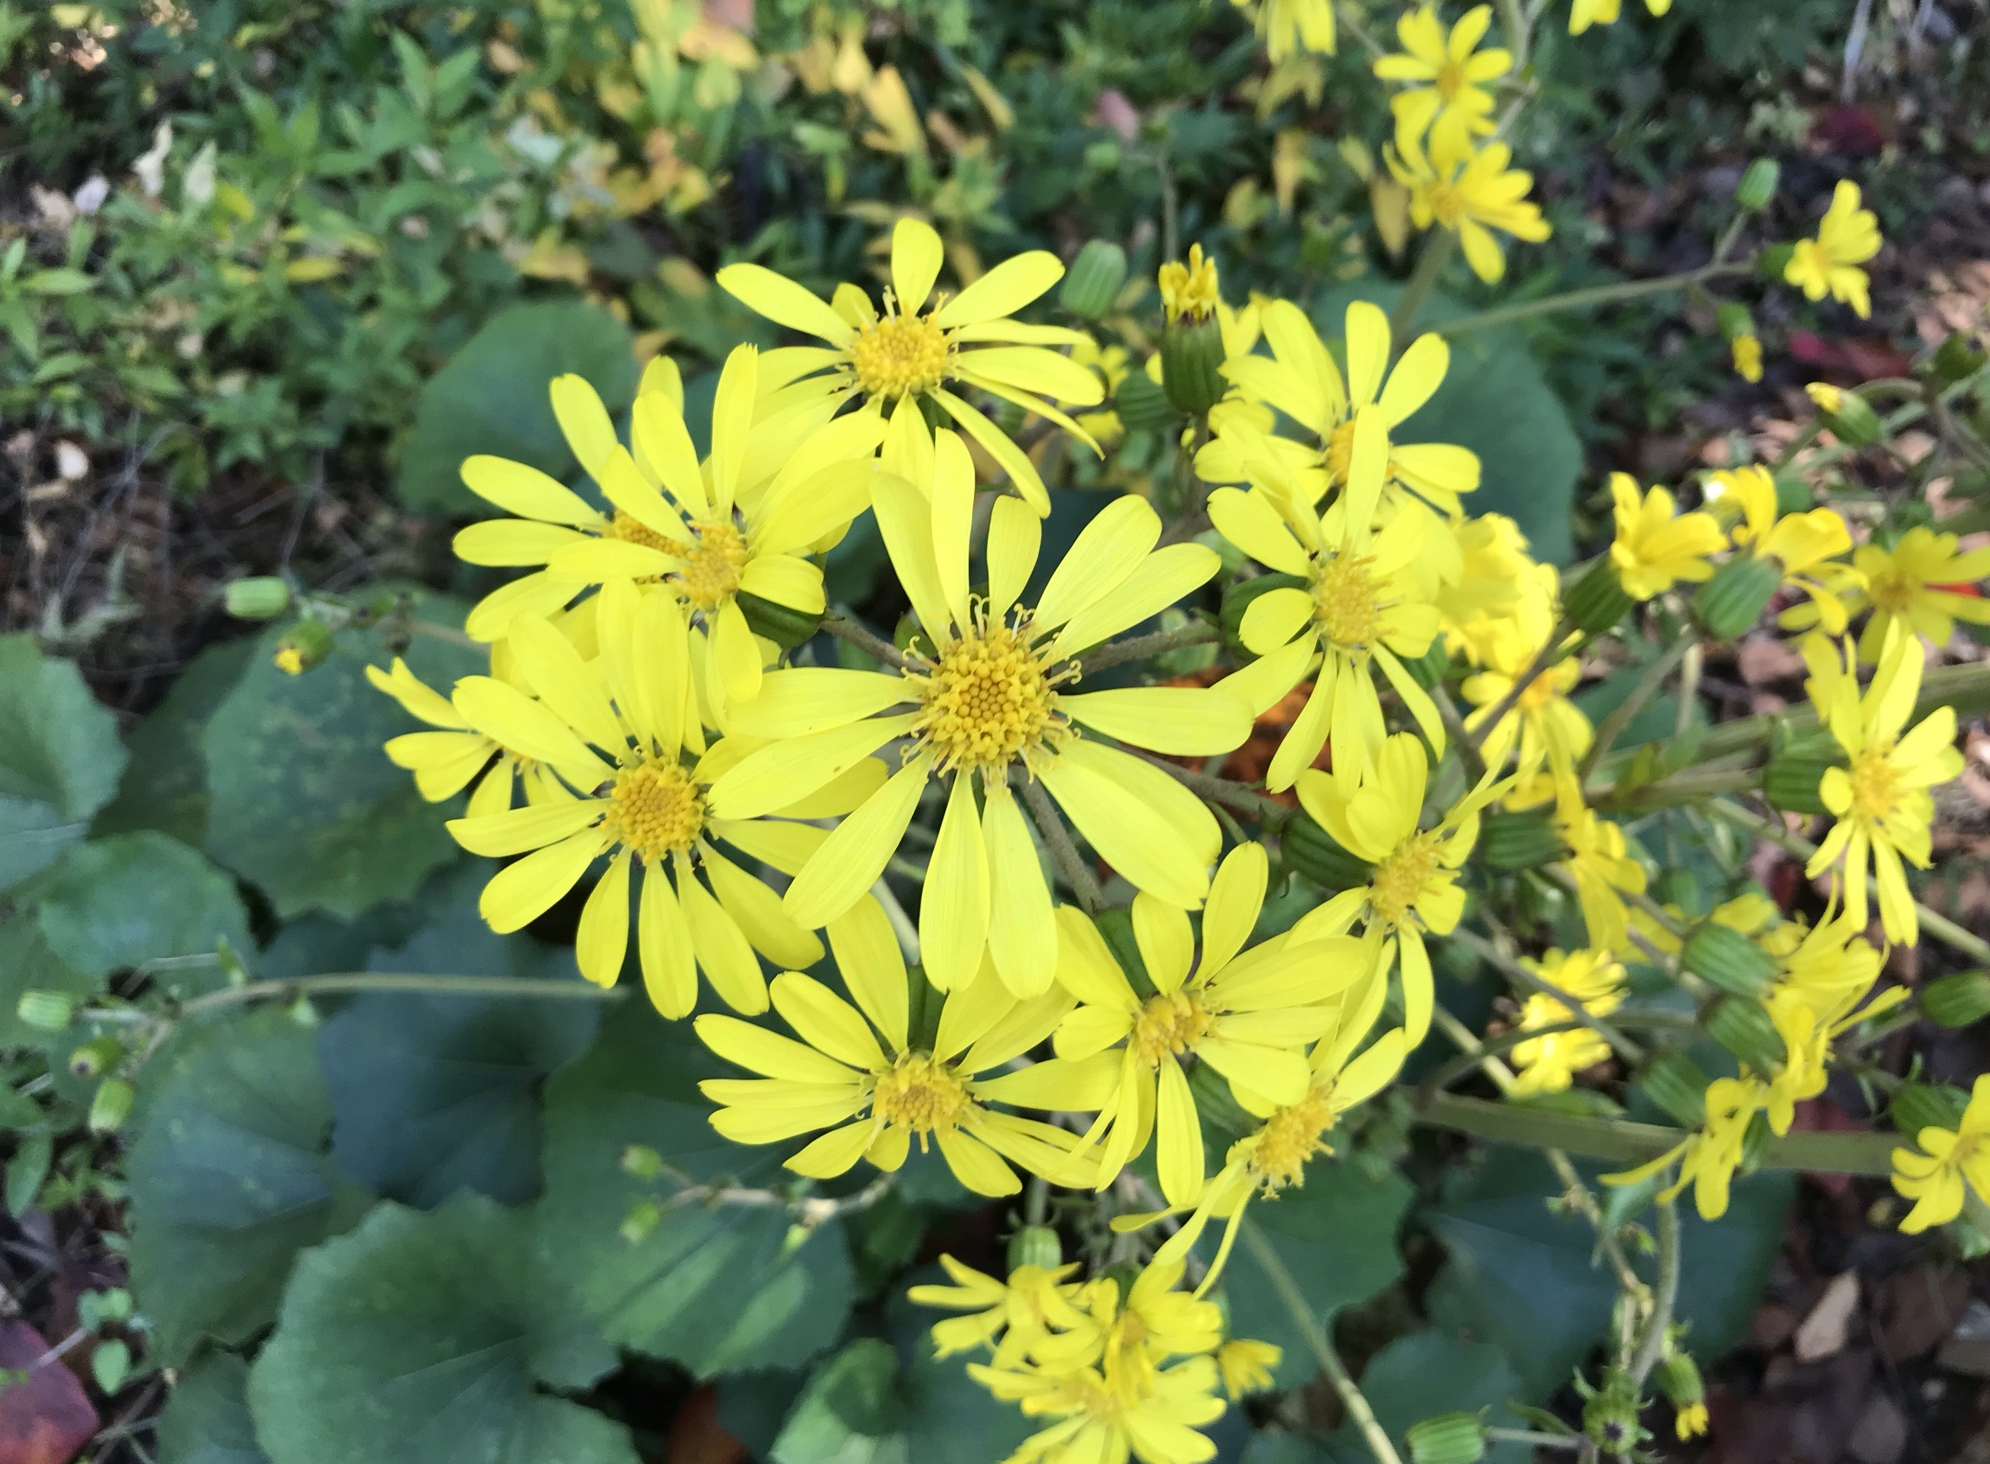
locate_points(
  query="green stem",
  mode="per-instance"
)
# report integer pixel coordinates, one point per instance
(1518, 33)
(1320, 1345)
(1965, 687)
(346, 981)
(1223, 790)
(1452, 1069)
(1613, 726)
(1140, 647)
(1430, 261)
(1664, 1295)
(1589, 298)
(1533, 1438)
(1630, 1051)
(1051, 826)
(1557, 650)
(447, 634)
(847, 629)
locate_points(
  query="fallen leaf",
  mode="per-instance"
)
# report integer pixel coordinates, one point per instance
(1822, 1334)
(46, 1419)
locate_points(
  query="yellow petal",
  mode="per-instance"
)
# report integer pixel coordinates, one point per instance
(513, 542)
(800, 700)
(1236, 896)
(526, 492)
(857, 850)
(1022, 929)
(953, 519)
(1004, 290)
(1162, 579)
(784, 302)
(1167, 945)
(1188, 721)
(526, 727)
(785, 580)
(873, 967)
(1161, 847)
(759, 1051)
(568, 686)
(1106, 551)
(723, 952)
(663, 940)
(1178, 1137)
(836, 1152)
(905, 519)
(976, 1165)
(783, 772)
(758, 913)
(1085, 964)
(1015, 534)
(517, 830)
(916, 255)
(520, 893)
(583, 421)
(953, 906)
(826, 1022)
(603, 941)
(664, 446)
(997, 443)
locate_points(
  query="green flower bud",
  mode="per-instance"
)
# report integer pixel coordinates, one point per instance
(1680, 1377)
(1920, 1106)
(1142, 404)
(263, 597)
(1732, 601)
(1850, 416)
(1771, 262)
(784, 626)
(46, 1011)
(1796, 771)
(1035, 1245)
(641, 1161)
(1447, 1438)
(1093, 282)
(95, 1058)
(1758, 184)
(1525, 840)
(1316, 854)
(303, 646)
(1744, 1028)
(1732, 319)
(1191, 355)
(1728, 959)
(1677, 1085)
(110, 1105)
(1958, 1000)
(1431, 667)
(1596, 602)
(643, 1218)
(1955, 359)
(1610, 1417)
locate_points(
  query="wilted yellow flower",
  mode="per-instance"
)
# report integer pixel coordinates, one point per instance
(1549, 1063)
(1847, 237)
(1470, 192)
(1543, 726)
(1247, 1366)
(1023, 1311)
(1449, 101)
(1190, 288)
(1599, 862)
(1949, 1160)
(1656, 545)
(1709, 1158)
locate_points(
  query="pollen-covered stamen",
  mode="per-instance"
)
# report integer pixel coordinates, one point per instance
(1403, 877)
(633, 530)
(1347, 606)
(1175, 1023)
(921, 1095)
(900, 355)
(1290, 1137)
(1875, 783)
(655, 810)
(990, 700)
(713, 562)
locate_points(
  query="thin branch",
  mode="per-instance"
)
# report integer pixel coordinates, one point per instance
(528, 986)
(1630, 1050)
(844, 628)
(1590, 298)
(1221, 790)
(1051, 826)
(1612, 727)
(1139, 647)
(1664, 1295)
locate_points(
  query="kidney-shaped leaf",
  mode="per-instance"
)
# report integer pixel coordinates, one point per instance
(59, 758)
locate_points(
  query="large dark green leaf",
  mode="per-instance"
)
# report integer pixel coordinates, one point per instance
(59, 758)
(206, 1418)
(429, 1336)
(302, 801)
(432, 1094)
(713, 1289)
(120, 902)
(1428, 1373)
(492, 398)
(28, 964)
(228, 1177)
(165, 784)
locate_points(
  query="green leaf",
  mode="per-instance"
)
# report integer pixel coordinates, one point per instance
(115, 903)
(165, 783)
(28, 964)
(59, 758)
(492, 398)
(1495, 401)
(431, 1335)
(206, 1418)
(302, 801)
(432, 1094)
(228, 1177)
(713, 1289)
(1428, 1373)
(1337, 1236)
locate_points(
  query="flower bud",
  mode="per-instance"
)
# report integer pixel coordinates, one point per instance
(643, 1218)
(1920, 1106)
(303, 646)
(1796, 771)
(1093, 282)
(784, 626)
(1678, 1086)
(1745, 1029)
(1734, 599)
(1191, 358)
(1679, 1378)
(1758, 184)
(641, 1161)
(1955, 359)
(1142, 404)
(1447, 1438)
(46, 1011)
(1525, 840)
(1316, 854)
(1728, 959)
(1035, 1245)
(110, 1105)
(1610, 1417)
(263, 597)
(1596, 602)
(1733, 320)
(1952, 1001)
(96, 1057)
(1849, 416)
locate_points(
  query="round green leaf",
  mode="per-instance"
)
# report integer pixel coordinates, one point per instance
(165, 783)
(59, 758)
(119, 902)
(492, 398)
(228, 1178)
(28, 964)
(714, 1289)
(1428, 1373)
(206, 1418)
(429, 1336)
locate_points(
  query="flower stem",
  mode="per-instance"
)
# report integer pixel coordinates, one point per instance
(1430, 262)
(1321, 1346)
(1557, 650)
(1534, 1438)
(447, 634)
(846, 628)
(1590, 298)
(346, 981)
(1664, 1294)
(1613, 725)
(1139, 647)
(1223, 790)
(1051, 826)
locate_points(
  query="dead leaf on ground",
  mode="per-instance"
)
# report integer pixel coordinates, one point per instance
(47, 1418)
(1824, 1331)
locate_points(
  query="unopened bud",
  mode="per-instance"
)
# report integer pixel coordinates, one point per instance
(1678, 1086)
(1958, 1000)
(1743, 1026)
(46, 1011)
(1795, 773)
(1525, 840)
(1316, 854)
(785, 627)
(1758, 184)
(1596, 602)
(1955, 359)
(1920, 1106)
(641, 1161)
(263, 597)
(1733, 320)
(1035, 1245)
(1728, 959)
(643, 1218)
(1734, 599)
(1849, 416)
(1093, 282)
(94, 1058)
(1142, 404)
(1610, 1417)
(1447, 1438)
(303, 646)
(1191, 362)
(110, 1105)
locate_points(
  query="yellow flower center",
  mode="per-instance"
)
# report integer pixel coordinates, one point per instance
(1446, 204)
(1344, 601)
(1339, 452)
(1875, 783)
(900, 355)
(1169, 1024)
(989, 701)
(1403, 878)
(655, 810)
(635, 531)
(1290, 1137)
(921, 1094)
(1450, 80)
(1812, 258)
(712, 563)
(1893, 592)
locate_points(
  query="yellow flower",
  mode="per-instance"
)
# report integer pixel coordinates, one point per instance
(875, 1099)
(1585, 13)
(1493, 566)
(1549, 1063)
(289, 660)
(1949, 1159)
(1799, 542)
(1247, 1366)
(1023, 1311)
(1376, 816)
(1367, 601)
(1249, 1014)
(1190, 289)
(450, 759)
(642, 778)
(1599, 862)
(1301, 380)
(1108, 1419)
(1881, 800)
(1656, 545)
(1290, 26)
(1709, 1158)
(1543, 725)
(983, 697)
(1471, 192)
(1450, 100)
(1847, 237)
(1690, 1421)
(1922, 584)
(1747, 352)
(1126, 1337)
(1828, 398)
(897, 359)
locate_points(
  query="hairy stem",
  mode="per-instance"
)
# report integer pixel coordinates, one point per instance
(1139, 647)
(1437, 248)
(846, 628)
(1664, 1295)
(1612, 727)
(1590, 298)
(1051, 825)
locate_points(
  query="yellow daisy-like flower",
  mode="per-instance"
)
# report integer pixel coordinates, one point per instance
(1548, 1063)
(1543, 726)
(1127, 1336)
(1746, 351)
(876, 1098)
(1708, 1159)
(986, 697)
(1585, 13)
(1449, 99)
(1493, 567)
(1024, 1311)
(1949, 1160)
(1799, 542)
(1599, 862)
(908, 354)
(1367, 600)
(1921, 584)
(451, 758)
(1656, 545)
(623, 733)
(1247, 1366)
(1378, 818)
(1292, 26)
(1301, 380)
(1249, 1014)
(1154, 1419)
(1881, 802)
(1471, 192)
(1847, 237)
(1190, 288)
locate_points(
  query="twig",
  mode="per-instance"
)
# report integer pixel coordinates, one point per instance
(530, 986)
(1664, 1294)
(1051, 826)
(1612, 727)
(1588, 298)
(844, 628)
(1139, 647)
